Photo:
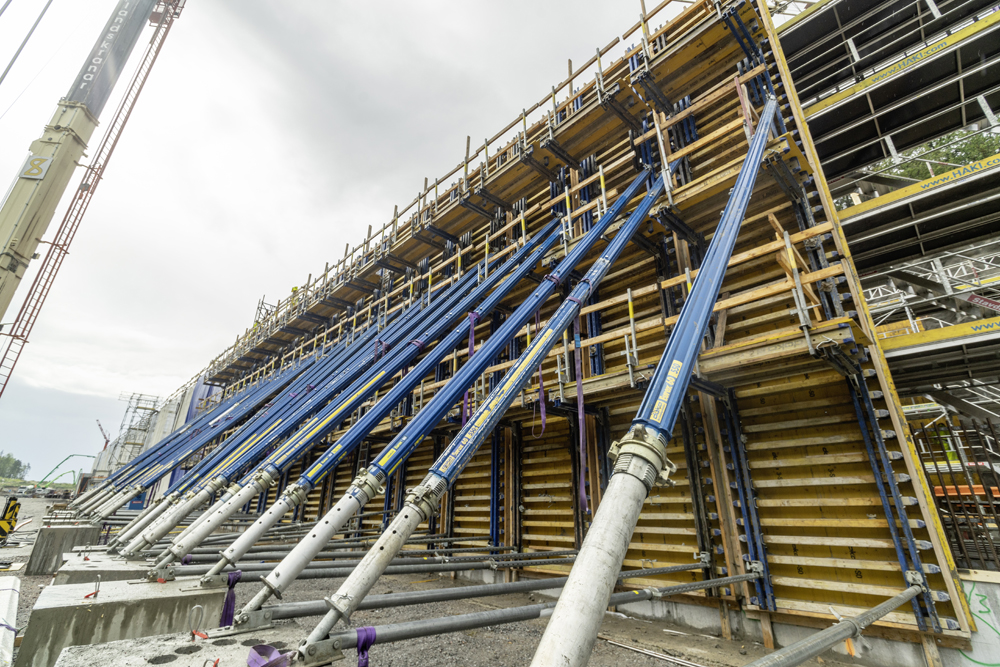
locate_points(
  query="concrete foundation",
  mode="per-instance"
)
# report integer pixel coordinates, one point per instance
(53, 541)
(76, 570)
(63, 616)
(179, 651)
(10, 591)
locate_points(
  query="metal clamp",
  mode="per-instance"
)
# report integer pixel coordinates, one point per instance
(296, 493)
(274, 589)
(259, 619)
(320, 653)
(161, 574)
(368, 484)
(915, 578)
(426, 496)
(339, 605)
(649, 446)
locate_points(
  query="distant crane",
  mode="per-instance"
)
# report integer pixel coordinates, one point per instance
(107, 438)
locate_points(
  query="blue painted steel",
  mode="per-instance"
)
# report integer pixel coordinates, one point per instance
(753, 534)
(297, 379)
(307, 397)
(881, 464)
(446, 313)
(173, 450)
(420, 425)
(407, 440)
(668, 386)
(463, 447)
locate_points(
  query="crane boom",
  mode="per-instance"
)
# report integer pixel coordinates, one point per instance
(26, 213)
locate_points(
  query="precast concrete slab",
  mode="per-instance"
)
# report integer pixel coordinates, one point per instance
(65, 615)
(53, 541)
(78, 569)
(178, 650)
(10, 591)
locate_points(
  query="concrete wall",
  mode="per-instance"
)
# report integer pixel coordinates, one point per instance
(982, 591)
(53, 541)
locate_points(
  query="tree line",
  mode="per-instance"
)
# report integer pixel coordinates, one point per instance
(13, 467)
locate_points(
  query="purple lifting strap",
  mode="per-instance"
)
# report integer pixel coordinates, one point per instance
(263, 655)
(186, 560)
(366, 639)
(419, 343)
(473, 319)
(229, 605)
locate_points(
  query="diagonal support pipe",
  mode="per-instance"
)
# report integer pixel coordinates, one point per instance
(641, 459)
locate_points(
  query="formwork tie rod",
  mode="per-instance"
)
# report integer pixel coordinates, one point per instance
(810, 647)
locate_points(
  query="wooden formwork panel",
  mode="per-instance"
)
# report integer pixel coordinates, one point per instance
(828, 542)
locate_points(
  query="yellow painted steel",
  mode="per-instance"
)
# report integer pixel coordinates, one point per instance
(803, 15)
(36, 192)
(931, 51)
(924, 495)
(956, 332)
(953, 176)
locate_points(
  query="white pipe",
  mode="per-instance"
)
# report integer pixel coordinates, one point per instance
(111, 508)
(216, 506)
(97, 500)
(354, 589)
(102, 503)
(86, 496)
(571, 632)
(139, 524)
(111, 505)
(295, 562)
(249, 537)
(168, 520)
(183, 545)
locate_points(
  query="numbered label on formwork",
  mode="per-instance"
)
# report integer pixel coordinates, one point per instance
(35, 167)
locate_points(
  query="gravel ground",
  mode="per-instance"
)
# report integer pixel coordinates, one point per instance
(497, 646)
(514, 644)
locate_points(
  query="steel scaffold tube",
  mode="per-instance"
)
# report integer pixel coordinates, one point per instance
(443, 314)
(367, 484)
(641, 455)
(363, 380)
(387, 634)
(422, 501)
(319, 607)
(810, 647)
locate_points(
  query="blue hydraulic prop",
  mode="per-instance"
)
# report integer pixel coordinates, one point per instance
(370, 483)
(640, 457)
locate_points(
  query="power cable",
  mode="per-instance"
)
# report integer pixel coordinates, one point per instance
(26, 38)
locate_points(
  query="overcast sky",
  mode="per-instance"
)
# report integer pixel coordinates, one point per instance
(269, 135)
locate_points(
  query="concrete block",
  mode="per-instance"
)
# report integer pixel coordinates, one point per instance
(76, 570)
(10, 591)
(179, 651)
(53, 541)
(63, 617)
